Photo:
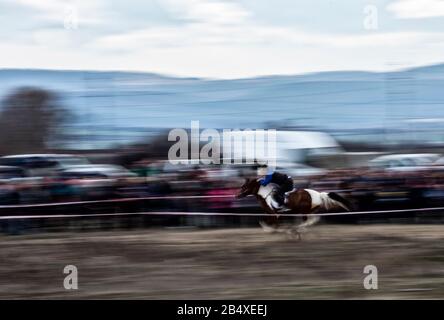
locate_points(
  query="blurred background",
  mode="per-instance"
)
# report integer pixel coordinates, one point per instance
(72, 136)
(89, 91)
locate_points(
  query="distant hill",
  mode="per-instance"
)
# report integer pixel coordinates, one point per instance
(123, 106)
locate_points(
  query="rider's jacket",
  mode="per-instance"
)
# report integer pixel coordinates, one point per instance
(277, 178)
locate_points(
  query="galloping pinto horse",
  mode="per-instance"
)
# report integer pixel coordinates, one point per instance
(298, 201)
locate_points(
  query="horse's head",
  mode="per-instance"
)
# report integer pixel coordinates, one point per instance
(250, 186)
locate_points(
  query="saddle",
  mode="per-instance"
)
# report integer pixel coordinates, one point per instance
(282, 208)
(267, 194)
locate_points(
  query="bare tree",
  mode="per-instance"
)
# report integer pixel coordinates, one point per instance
(30, 118)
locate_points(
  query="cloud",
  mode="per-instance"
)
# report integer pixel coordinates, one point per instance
(207, 11)
(204, 34)
(207, 38)
(417, 9)
(218, 22)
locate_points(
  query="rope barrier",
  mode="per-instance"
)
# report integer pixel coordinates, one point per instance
(54, 204)
(216, 214)
(181, 213)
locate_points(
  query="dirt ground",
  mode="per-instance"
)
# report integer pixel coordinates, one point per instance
(227, 263)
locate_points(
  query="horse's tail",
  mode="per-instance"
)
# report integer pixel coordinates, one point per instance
(344, 202)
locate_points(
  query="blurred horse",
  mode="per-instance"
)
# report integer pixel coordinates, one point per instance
(297, 201)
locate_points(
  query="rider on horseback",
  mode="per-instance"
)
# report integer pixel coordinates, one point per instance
(284, 182)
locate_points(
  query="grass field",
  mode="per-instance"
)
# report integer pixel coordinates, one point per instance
(227, 263)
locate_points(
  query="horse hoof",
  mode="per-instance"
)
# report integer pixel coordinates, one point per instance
(292, 233)
(301, 230)
(267, 228)
(296, 236)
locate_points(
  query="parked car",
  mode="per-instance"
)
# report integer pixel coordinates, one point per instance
(405, 162)
(40, 165)
(297, 170)
(93, 181)
(108, 171)
(10, 172)
(10, 178)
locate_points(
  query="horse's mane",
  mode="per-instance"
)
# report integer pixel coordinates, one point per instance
(255, 185)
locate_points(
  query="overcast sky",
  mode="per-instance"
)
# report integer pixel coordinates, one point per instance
(221, 38)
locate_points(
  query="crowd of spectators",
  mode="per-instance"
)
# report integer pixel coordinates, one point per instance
(368, 189)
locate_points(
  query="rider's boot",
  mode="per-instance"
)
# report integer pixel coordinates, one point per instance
(286, 195)
(277, 201)
(276, 205)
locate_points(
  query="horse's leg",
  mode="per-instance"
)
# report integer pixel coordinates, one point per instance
(311, 220)
(293, 232)
(270, 223)
(266, 227)
(301, 203)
